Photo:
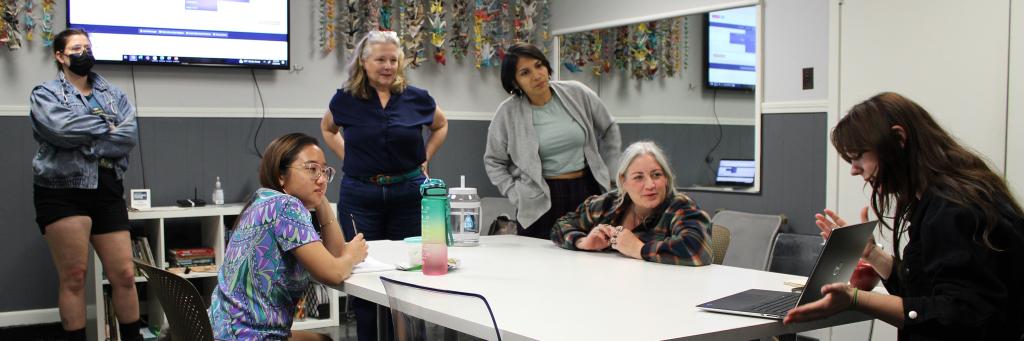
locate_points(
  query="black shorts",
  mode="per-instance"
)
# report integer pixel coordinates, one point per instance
(105, 204)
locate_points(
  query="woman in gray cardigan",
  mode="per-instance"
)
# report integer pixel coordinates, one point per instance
(550, 145)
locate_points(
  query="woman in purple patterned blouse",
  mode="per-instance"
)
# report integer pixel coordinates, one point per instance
(274, 247)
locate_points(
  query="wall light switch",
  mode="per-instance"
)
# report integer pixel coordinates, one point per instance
(808, 78)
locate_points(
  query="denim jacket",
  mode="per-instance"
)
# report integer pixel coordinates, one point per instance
(72, 139)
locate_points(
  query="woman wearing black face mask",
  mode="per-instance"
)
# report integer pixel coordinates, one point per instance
(85, 128)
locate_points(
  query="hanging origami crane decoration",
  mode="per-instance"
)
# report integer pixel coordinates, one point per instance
(327, 39)
(437, 31)
(28, 22)
(414, 15)
(458, 39)
(10, 35)
(47, 28)
(456, 27)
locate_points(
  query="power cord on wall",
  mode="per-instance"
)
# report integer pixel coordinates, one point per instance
(138, 126)
(708, 159)
(263, 113)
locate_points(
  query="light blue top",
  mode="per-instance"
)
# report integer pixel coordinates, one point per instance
(560, 139)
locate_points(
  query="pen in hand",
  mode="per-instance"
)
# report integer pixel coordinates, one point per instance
(355, 231)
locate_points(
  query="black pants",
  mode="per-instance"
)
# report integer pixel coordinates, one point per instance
(566, 196)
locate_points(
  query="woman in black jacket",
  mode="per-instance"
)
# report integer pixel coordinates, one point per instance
(961, 273)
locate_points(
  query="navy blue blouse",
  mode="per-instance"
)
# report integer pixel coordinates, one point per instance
(385, 140)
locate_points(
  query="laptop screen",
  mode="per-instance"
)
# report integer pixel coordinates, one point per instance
(735, 173)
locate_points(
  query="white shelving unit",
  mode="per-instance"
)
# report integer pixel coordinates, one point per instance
(212, 229)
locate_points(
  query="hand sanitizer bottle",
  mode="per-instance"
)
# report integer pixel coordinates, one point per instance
(218, 193)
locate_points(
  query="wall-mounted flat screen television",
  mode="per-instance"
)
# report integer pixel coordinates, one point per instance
(730, 40)
(234, 33)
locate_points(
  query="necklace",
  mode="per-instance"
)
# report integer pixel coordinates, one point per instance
(636, 217)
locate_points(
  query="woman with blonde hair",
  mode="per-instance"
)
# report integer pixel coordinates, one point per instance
(374, 124)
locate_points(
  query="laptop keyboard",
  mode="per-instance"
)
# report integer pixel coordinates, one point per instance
(779, 306)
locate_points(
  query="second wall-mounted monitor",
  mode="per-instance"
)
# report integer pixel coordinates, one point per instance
(730, 45)
(238, 33)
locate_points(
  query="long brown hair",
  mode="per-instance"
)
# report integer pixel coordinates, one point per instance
(927, 158)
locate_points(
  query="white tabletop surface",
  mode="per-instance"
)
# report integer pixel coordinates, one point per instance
(540, 291)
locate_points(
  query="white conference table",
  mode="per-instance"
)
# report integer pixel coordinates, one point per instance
(539, 291)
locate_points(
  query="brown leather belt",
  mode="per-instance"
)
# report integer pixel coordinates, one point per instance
(568, 176)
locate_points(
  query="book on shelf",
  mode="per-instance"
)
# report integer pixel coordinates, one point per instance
(111, 317)
(192, 262)
(149, 252)
(140, 251)
(190, 252)
(184, 270)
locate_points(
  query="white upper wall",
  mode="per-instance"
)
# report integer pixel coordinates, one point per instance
(957, 70)
(583, 15)
(795, 37)
(678, 99)
(459, 88)
(1015, 110)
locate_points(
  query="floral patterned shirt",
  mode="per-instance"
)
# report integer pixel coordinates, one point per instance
(260, 282)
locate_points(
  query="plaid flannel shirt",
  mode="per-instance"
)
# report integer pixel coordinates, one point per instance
(680, 234)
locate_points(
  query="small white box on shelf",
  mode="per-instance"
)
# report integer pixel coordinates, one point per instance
(140, 199)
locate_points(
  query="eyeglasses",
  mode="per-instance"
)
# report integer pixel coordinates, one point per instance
(77, 49)
(316, 171)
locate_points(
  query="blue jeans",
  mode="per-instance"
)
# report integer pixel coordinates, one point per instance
(380, 212)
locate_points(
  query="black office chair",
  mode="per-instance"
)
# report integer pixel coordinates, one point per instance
(184, 307)
(795, 254)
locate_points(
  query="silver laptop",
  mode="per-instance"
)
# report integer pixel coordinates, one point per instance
(836, 263)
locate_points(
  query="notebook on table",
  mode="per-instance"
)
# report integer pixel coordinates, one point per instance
(836, 263)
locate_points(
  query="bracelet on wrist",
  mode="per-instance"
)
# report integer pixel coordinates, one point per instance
(853, 304)
(329, 222)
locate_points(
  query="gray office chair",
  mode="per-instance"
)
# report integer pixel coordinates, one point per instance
(184, 307)
(751, 239)
(409, 306)
(720, 236)
(795, 254)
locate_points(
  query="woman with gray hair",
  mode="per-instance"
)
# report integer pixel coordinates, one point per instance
(374, 125)
(646, 218)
